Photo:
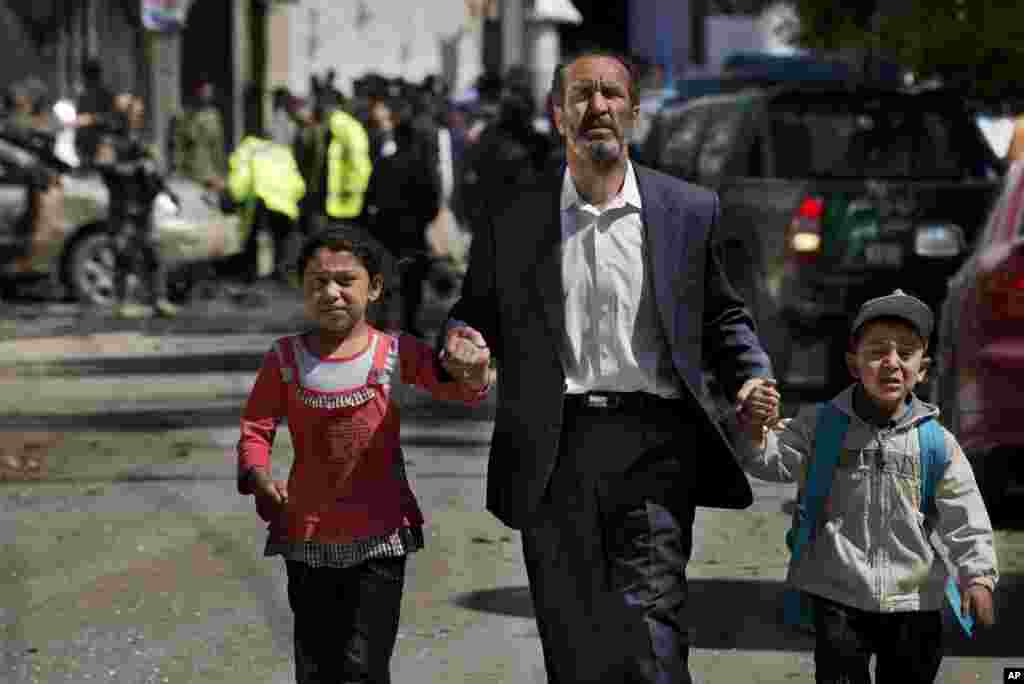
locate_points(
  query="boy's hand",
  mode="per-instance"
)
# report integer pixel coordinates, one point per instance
(467, 357)
(757, 407)
(977, 601)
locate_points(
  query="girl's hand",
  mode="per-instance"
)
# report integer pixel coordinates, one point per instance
(977, 601)
(466, 357)
(271, 495)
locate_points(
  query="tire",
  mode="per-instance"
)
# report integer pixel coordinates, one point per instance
(90, 267)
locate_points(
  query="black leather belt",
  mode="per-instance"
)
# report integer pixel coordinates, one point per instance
(625, 402)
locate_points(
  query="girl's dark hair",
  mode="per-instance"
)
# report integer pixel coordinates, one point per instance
(340, 236)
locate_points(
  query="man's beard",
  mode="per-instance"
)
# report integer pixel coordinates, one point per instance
(604, 151)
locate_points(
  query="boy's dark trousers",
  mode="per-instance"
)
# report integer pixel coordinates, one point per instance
(346, 620)
(907, 645)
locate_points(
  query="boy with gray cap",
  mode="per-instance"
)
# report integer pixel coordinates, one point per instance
(868, 570)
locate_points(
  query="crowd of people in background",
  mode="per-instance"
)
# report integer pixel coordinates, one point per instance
(406, 160)
(431, 163)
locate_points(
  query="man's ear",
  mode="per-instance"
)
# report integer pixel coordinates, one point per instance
(851, 365)
(558, 113)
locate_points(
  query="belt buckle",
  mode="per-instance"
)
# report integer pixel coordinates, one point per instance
(603, 401)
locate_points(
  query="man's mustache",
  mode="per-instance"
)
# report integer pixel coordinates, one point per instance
(600, 123)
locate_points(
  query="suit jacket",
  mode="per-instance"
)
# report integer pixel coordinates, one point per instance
(513, 295)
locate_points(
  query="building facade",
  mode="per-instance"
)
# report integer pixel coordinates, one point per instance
(216, 39)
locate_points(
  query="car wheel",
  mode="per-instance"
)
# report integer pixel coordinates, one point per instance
(90, 269)
(91, 265)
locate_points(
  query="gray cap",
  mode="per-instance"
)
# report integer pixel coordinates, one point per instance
(897, 305)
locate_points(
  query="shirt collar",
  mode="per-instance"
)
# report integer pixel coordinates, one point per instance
(630, 193)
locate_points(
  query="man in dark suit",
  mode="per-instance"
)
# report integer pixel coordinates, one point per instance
(602, 296)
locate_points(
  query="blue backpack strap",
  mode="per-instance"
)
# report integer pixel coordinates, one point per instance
(828, 441)
(829, 433)
(934, 460)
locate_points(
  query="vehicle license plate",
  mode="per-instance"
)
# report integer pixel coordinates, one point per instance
(884, 254)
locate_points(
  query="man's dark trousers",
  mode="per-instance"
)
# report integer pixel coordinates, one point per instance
(607, 550)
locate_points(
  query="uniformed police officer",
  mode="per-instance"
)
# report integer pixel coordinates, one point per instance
(265, 184)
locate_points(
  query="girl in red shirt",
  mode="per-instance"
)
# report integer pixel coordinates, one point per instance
(346, 518)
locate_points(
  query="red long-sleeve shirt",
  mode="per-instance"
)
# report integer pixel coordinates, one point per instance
(347, 481)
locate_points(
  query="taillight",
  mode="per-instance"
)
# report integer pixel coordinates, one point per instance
(804, 240)
(1003, 293)
(1002, 282)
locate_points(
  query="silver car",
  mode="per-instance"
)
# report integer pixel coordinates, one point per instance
(52, 222)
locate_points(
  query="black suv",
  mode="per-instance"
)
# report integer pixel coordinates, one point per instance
(832, 195)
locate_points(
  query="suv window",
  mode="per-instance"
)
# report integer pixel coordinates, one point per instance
(891, 139)
(725, 123)
(679, 157)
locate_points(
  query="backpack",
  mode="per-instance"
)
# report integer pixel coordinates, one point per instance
(798, 609)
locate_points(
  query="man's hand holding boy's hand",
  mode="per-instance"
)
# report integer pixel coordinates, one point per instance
(977, 601)
(757, 407)
(466, 357)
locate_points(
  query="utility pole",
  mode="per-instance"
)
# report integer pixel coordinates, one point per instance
(513, 34)
(698, 32)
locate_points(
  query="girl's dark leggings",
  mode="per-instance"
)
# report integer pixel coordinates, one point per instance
(346, 620)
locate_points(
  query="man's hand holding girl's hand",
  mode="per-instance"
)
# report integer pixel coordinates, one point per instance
(757, 408)
(466, 357)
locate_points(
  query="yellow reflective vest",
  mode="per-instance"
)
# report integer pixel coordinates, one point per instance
(348, 166)
(265, 170)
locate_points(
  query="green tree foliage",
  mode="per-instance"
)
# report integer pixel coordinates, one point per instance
(974, 44)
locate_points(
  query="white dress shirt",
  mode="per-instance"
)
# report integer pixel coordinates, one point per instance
(615, 340)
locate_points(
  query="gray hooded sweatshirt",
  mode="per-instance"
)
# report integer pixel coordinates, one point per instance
(871, 549)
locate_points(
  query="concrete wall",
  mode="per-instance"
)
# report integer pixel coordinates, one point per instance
(389, 37)
(279, 48)
(101, 28)
(22, 55)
